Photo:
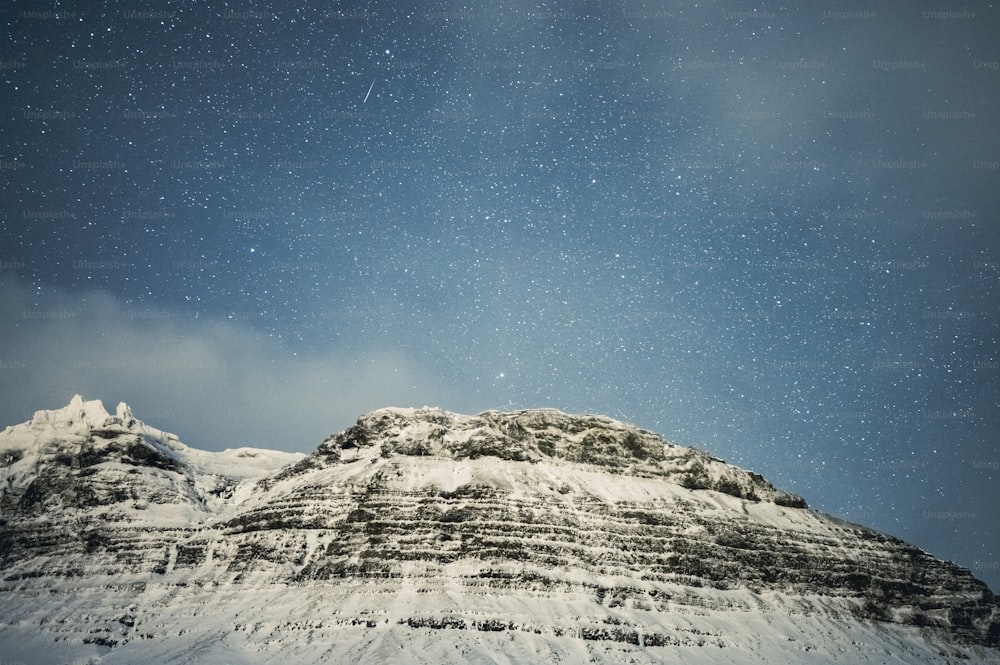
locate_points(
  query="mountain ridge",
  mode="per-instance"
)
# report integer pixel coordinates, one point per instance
(531, 435)
(416, 530)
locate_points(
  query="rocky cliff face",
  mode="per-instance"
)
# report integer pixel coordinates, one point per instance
(427, 536)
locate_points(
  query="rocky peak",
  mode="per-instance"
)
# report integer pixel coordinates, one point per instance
(84, 425)
(76, 421)
(78, 415)
(124, 414)
(527, 435)
(534, 435)
(80, 456)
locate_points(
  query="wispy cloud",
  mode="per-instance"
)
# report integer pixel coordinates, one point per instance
(217, 384)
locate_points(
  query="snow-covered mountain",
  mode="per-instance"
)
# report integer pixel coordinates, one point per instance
(423, 536)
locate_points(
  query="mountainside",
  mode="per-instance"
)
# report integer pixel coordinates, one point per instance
(423, 536)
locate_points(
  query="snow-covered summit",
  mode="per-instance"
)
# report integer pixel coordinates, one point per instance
(80, 453)
(78, 414)
(76, 420)
(536, 435)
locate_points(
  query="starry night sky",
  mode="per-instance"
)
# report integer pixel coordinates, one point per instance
(768, 231)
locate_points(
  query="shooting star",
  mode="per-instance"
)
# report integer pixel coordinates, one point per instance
(369, 92)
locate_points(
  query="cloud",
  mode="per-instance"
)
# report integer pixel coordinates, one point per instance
(215, 383)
